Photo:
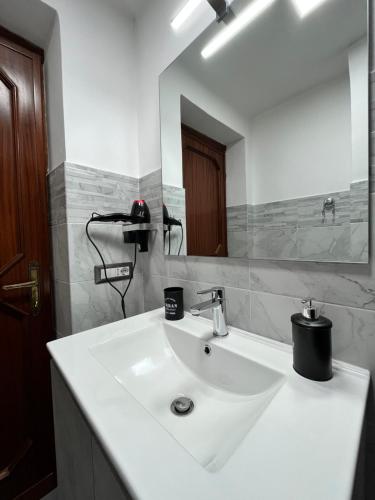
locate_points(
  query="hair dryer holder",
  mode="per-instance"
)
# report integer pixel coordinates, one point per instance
(138, 233)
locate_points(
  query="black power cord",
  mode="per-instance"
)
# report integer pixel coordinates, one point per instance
(182, 238)
(169, 231)
(122, 294)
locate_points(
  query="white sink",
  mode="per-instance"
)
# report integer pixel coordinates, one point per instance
(159, 363)
(258, 429)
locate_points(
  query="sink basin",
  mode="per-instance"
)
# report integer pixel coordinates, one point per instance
(160, 363)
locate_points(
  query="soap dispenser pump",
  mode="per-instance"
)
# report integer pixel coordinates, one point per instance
(312, 343)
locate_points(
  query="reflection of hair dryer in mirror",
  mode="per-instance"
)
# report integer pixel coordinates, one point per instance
(169, 222)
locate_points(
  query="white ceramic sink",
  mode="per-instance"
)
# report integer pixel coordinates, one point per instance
(258, 429)
(159, 363)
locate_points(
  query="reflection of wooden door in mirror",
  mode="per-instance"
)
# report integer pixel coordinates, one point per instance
(204, 183)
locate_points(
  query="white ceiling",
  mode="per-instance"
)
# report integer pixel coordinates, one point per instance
(134, 7)
(279, 55)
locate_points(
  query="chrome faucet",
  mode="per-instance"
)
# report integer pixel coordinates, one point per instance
(217, 304)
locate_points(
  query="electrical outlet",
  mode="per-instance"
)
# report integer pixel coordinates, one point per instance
(115, 272)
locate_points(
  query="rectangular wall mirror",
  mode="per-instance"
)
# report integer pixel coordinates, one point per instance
(265, 142)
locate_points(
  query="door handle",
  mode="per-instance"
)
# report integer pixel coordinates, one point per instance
(33, 284)
(18, 286)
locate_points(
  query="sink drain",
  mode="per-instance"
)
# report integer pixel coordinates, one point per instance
(182, 406)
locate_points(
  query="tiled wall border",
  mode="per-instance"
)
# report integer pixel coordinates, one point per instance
(294, 229)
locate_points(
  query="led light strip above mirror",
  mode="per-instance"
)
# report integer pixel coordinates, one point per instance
(185, 13)
(249, 14)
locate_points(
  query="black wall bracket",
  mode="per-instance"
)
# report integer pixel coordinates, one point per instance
(138, 233)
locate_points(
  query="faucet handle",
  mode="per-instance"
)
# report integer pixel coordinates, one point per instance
(217, 292)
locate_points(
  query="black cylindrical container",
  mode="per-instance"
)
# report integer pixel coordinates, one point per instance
(312, 345)
(174, 303)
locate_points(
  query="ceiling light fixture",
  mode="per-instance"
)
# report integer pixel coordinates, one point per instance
(304, 7)
(248, 15)
(185, 13)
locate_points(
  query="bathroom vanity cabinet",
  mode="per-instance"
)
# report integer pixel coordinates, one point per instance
(83, 470)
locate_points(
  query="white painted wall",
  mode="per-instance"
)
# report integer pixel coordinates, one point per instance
(31, 19)
(54, 98)
(236, 174)
(358, 71)
(99, 85)
(303, 146)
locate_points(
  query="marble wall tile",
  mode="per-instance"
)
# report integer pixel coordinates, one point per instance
(310, 209)
(324, 243)
(60, 252)
(359, 242)
(274, 243)
(90, 189)
(372, 160)
(174, 200)
(353, 332)
(274, 215)
(351, 284)
(175, 239)
(80, 304)
(295, 229)
(237, 218)
(153, 287)
(57, 195)
(270, 315)
(83, 256)
(289, 229)
(214, 270)
(345, 284)
(63, 313)
(153, 261)
(96, 305)
(238, 244)
(237, 231)
(359, 201)
(150, 189)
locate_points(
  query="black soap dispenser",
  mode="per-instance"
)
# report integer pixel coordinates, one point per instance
(312, 343)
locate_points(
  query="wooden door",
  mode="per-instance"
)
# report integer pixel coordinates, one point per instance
(204, 183)
(26, 431)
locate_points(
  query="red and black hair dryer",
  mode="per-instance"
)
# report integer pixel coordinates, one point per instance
(140, 214)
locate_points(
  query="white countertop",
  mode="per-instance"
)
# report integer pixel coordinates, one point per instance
(304, 446)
